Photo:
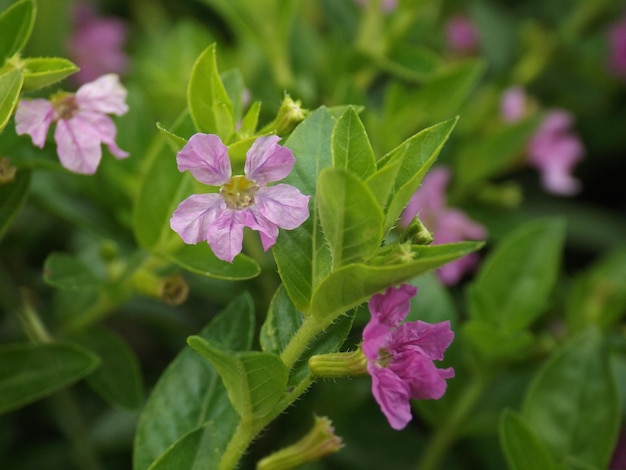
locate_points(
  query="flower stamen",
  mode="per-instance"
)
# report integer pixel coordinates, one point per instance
(65, 105)
(238, 192)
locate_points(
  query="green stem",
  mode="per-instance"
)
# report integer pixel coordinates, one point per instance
(447, 432)
(299, 342)
(237, 445)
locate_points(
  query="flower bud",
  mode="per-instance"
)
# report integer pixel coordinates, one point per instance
(289, 115)
(417, 233)
(7, 171)
(319, 442)
(338, 365)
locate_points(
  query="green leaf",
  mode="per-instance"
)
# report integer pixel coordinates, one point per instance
(10, 86)
(200, 259)
(488, 157)
(12, 198)
(598, 296)
(67, 272)
(513, 284)
(351, 285)
(190, 394)
(250, 120)
(255, 380)
(302, 255)
(351, 147)
(234, 86)
(496, 344)
(29, 372)
(350, 216)
(194, 451)
(416, 155)
(175, 142)
(522, 448)
(118, 379)
(209, 105)
(16, 24)
(43, 71)
(573, 404)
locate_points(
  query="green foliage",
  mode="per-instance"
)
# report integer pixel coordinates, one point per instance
(44, 71)
(66, 272)
(10, 86)
(522, 447)
(16, 25)
(29, 372)
(12, 197)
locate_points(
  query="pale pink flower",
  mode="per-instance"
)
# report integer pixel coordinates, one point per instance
(400, 356)
(96, 44)
(82, 122)
(554, 150)
(243, 200)
(513, 106)
(617, 44)
(461, 34)
(448, 225)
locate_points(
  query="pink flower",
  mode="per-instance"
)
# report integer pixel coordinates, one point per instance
(447, 225)
(82, 122)
(387, 5)
(96, 44)
(400, 356)
(461, 35)
(617, 44)
(513, 104)
(242, 201)
(554, 151)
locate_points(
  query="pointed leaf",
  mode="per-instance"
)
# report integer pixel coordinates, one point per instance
(68, 272)
(209, 105)
(250, 120)
(255, 380)
(175, 142)
(514, 281)
(29, 372)
(353, 284)
(16, 24)
(417, 154)
(10, 87)
(351, 147)
(573, 404)
(522, 448)
(302, 255)
(118, 379)
(190, 393)
(43, 71)
(351, 218)
(194, 451)
(12, 197)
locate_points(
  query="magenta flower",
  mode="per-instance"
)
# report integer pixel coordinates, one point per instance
(243, 200)
(448, 225)
(82, 122)
(96, 45)
(461, 34)
(554, 150)
(617, 44)
(400, 356)
(513, 106)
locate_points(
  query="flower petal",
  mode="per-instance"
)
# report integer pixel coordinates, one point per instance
(193, 217)
(429, 198)
(419, 374)
(375, 337)
(267, 161)
(268, 230)
(392, 395)
(391, 307)
(206, 157)
(78, 146)
(106, 130)
(33, 117)
(226, 234)
(431, 339)
(283, 205)
(104, 95)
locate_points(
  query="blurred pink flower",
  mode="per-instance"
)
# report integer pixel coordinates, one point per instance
(242, 201)
(448, 225)
(554, 150)
(82, 122)
(96, 44)
(617, 44)
(461, 34)
(400, 356)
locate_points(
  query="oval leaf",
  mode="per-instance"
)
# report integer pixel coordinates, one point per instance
(10, 87)
(351, 147)
(44, 71)
(195, 450)
(190, 394)
(16, 24)
(573, 404)
(522, 449)
(67, 272)
(30, 372)
(350, 216)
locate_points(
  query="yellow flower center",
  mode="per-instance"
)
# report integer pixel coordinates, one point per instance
(239, 192)
(64, 104)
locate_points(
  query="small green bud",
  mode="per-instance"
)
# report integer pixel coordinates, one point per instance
(338, 365)
(417, 233)
(289, 115)
(319, 442)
